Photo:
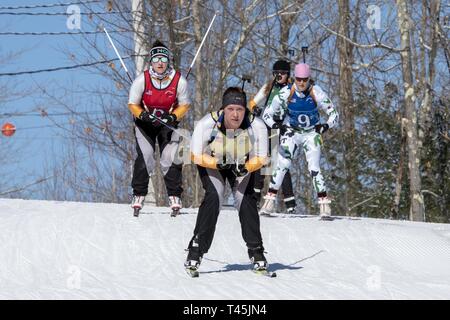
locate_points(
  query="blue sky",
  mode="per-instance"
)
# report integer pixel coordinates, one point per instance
(36, 143)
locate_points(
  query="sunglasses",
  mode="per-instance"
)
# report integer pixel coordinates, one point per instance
(301, 79)
(162, 59)
(275, 73)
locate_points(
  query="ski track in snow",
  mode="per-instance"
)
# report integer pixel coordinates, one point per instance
(69, 250)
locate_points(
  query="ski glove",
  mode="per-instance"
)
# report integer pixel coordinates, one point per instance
(151, 118)
(257, 111)
(321, 128)
(169, 118)
(239, 170)
(278, 117)
(224, 166)
(277, 125)
(146, 117)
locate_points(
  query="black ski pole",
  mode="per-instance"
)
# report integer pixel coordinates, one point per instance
(245, 78)
(304, 51)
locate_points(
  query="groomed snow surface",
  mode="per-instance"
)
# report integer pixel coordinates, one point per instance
(69, 250)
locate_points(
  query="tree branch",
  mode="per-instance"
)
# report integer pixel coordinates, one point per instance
(25, 187)
(359, 45)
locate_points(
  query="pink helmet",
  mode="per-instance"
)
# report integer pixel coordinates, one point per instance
(302, 71)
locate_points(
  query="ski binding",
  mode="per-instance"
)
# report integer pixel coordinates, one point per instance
(192, 272)
(265, 272)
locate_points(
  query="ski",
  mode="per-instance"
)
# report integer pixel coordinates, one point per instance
(171, 212)
(136, 212)
(266, 214)
(192, 272)
(326, 218)
(265, 272)
(279, 215)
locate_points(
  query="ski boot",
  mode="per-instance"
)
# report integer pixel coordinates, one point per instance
(291, 210)
(193, 261)
(257, 257)
(290, 205)
(175, 205)
(137, 203)
(269, 204)
(324, 208)
(259, 262)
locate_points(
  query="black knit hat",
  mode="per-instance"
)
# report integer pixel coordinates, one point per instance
(159, 50)
(281, 65)
(234, 95)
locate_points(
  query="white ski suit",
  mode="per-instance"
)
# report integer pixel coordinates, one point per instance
(301, 115)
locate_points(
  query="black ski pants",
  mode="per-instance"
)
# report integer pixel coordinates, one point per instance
(214, 182)
(146, 137)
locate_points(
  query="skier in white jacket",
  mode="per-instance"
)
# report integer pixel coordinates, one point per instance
(229, 144)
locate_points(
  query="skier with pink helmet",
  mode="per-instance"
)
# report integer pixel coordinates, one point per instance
(301, 129)
(302, 70)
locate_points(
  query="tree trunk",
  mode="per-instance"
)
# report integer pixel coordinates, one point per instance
(285, 27)
(417, 209)
(395, 208)
(199, 109)
(425, 114)
(198, 101)
(346, 103)
(140, 49)
(139, 30)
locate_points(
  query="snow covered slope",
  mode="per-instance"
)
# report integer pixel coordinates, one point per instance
(68, 250)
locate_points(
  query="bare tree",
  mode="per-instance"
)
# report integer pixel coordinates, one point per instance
(417, 210)
(346, 102)
(354, 64)
(140, 50)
